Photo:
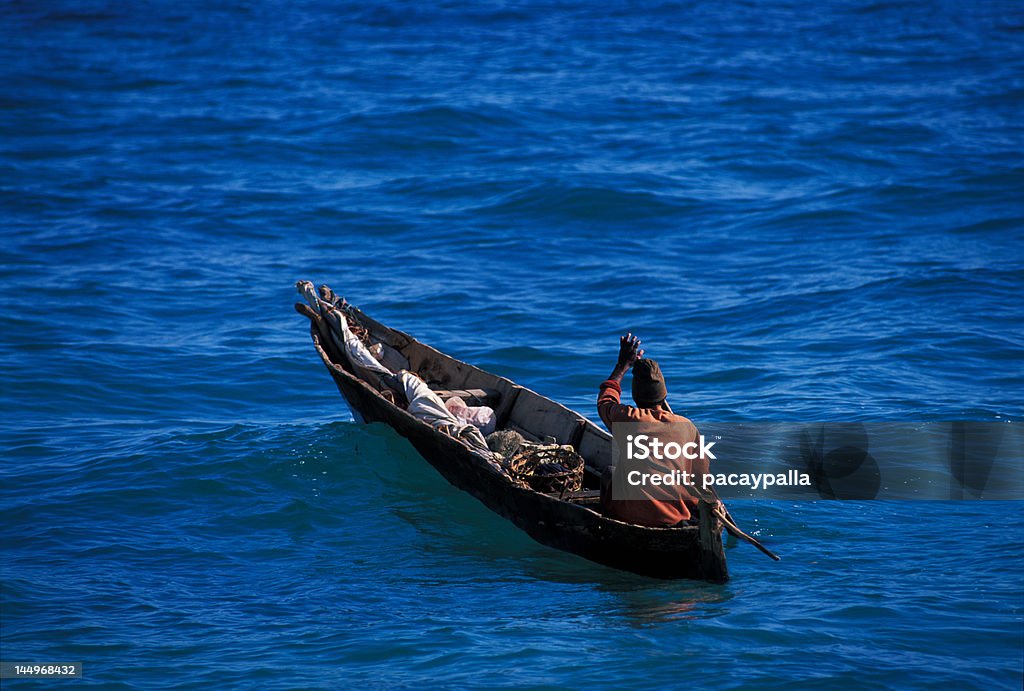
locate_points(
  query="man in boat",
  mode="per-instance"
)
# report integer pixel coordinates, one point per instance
(661, 505)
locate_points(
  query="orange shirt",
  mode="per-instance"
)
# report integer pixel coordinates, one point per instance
(666, 505)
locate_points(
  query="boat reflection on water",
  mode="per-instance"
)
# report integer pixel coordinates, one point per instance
(658, 603)
(635, 600)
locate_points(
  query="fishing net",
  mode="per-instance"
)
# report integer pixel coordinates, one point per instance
(549, 468)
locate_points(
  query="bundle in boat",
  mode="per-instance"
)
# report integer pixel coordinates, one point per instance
(549, 468)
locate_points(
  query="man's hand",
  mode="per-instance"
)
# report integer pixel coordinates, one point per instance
(629, 350)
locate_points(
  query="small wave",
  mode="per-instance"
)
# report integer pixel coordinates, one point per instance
(448, 120)
(589, 203)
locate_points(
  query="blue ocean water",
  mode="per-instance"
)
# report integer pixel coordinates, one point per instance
(808, 211)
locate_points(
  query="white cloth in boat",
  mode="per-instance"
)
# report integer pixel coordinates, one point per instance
(480, 416)
(425, 404)
(358, 354)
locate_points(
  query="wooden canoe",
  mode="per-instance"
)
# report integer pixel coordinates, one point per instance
(574, 523)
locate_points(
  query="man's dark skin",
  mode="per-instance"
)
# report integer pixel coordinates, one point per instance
(629, 353)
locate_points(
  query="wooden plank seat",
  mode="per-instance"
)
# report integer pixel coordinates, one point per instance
(474, 397)
(584, 496)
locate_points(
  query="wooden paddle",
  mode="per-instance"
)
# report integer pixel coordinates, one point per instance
(723, 514)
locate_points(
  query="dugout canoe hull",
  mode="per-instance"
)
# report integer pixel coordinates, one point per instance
(691, 552)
